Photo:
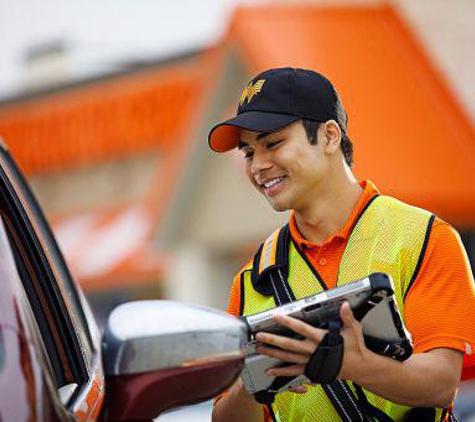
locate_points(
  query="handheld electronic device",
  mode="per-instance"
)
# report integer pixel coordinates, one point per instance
(373, 304)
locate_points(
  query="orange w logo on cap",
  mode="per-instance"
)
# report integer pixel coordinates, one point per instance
(251, 90)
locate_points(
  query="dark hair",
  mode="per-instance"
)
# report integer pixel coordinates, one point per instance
(311, 129)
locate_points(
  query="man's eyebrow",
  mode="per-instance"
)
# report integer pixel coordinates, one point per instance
(262, 135)
(242, 144)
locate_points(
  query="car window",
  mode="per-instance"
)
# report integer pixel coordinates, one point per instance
(54, 298)
(14, 271)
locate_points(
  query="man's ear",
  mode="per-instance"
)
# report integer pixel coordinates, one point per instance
(331, 136)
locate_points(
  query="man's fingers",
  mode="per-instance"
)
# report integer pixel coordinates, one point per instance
(300, 327)
(283, 355)
(346, 315)
(294, 345)
(299, 390)
(286, 371)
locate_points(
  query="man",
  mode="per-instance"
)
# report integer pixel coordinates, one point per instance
(292, 130)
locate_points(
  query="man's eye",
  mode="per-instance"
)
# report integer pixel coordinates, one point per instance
(273, 144)
(248, 155)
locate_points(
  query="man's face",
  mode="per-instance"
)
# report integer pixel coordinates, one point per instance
(284, 166)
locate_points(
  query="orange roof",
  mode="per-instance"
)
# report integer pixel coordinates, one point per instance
(410, 134)
(105, 119)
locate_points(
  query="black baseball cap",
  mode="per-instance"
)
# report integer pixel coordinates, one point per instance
(274, 99)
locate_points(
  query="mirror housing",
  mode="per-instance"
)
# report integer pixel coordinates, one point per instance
(162, 354)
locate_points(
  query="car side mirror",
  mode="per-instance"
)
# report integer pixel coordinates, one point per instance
(162, 354)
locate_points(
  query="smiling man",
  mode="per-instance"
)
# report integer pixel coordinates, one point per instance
(292, 130)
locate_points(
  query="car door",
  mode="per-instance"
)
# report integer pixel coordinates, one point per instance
(67, 330)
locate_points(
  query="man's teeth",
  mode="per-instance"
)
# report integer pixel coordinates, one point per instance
(272, 182)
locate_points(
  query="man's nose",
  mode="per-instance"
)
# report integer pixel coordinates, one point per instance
(260, 162)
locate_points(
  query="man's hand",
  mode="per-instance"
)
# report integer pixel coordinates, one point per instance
(427, 379)
(356, 357)
(237, 406)
(298, 352)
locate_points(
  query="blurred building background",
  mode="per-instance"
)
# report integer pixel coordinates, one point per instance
(116, 150)
(141, 207)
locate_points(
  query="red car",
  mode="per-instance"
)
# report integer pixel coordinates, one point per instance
(154, 355)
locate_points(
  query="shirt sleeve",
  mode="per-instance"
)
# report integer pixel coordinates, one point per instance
(440, 305)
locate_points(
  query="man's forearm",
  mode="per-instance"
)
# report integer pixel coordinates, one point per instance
(425, 380)
(237, 406)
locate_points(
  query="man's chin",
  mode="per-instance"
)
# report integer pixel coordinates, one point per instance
(279, 206)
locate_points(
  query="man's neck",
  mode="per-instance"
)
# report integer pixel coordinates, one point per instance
(330, 211)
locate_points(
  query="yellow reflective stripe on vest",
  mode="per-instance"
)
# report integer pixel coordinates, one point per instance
(389, 237)
(268, 254)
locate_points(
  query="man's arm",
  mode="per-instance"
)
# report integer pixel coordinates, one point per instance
(237, 406)
(425, 379)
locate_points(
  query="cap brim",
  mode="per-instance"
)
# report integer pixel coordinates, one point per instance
(226, 135)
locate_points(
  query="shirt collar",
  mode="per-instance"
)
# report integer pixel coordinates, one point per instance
(369, 190)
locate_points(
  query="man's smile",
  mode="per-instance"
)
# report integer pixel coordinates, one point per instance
(272, 186)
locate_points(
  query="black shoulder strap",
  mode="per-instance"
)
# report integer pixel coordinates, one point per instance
(339, 393)
(271, 267)
(344, 401)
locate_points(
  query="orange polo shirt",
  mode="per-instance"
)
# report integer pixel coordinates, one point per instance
(440, 306)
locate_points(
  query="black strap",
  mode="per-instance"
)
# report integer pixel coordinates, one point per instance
(282, 295)
(371, 412)
(400, 351)
(344, 401)
(264, 397)
(262, 282)
(323, 368)
(324, 365)
(272, 414)
(338, 391)
(421, 414)
(281, 291)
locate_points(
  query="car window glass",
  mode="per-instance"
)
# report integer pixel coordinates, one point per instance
(64, 282)
(52, 294)
(17, 281)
